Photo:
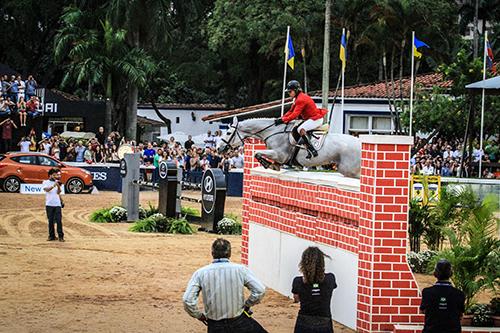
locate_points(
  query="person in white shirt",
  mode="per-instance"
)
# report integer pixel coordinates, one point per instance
(209, 140)
(53, 203)
(226, 309)
(237, 160)
(25, 145)
(428, 169)
(22, 87)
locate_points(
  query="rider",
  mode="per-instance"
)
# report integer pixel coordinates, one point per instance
(305, 108)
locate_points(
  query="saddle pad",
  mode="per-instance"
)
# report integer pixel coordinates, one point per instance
(317, 139)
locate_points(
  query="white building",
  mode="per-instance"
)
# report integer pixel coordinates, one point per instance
(185, 119)
(366, 107)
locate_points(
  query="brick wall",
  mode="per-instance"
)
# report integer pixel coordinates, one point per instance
(370, 222)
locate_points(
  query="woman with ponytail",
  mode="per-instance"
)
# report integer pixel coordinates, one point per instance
(314, 292)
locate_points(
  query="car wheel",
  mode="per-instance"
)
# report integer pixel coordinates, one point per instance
(11, 184)
(74, 186)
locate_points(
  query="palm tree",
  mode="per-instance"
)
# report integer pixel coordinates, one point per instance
(100, 56)
(147, 23)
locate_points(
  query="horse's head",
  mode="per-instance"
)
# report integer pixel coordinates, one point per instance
(231, 139)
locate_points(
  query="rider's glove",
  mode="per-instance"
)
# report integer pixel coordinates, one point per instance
(278, 121)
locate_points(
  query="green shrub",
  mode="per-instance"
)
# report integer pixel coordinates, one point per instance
(474, 251)
(190, 211)
(146, 225)
(154, 223)
(151, 210)
(180, 226)
(420, 262)
(101, 216)
(228, 226)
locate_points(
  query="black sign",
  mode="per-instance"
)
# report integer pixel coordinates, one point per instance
(162, 169)
(208, 192)
(123, 167)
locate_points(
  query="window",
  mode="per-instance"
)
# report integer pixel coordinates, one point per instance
(177, 120)
(382, 123)
(45, 161)
(24, 159)
(369, 124)
(359, 123)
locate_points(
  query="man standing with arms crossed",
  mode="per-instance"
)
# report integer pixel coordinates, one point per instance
(53, 203)
(222, 282)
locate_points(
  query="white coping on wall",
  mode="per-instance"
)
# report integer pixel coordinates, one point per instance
(464, 328)
(318, 178)
(387, 139)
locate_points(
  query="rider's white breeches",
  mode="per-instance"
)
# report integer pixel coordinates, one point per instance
(310, 124)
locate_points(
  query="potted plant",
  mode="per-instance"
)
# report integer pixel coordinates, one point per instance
(473, 251)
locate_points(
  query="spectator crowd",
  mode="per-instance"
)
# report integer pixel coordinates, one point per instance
(192, 158)
(18, 97)
(443, 158)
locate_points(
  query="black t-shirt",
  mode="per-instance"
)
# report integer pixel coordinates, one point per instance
(443, 305)
(188, 144)
(214, 162)
(315, 298)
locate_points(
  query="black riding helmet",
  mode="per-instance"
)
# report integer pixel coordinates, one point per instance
(293, 85)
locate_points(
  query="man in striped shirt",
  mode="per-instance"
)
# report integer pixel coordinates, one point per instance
(222, 282)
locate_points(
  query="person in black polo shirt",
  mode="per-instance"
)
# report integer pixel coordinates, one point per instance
(442, 303)
(314, 292)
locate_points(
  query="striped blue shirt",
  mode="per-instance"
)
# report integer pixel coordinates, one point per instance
(221, 284)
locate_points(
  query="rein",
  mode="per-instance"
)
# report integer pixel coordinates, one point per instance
(236, 132)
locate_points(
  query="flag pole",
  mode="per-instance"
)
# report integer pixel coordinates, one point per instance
(482, 106)
(303, 51)
(343, 72)
(411, 80)
(284, 71)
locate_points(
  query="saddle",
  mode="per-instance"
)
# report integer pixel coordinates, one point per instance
(316, 137)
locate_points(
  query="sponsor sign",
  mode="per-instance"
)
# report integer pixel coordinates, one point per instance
(163, 168)
(208, 191)
(123, 167)
(35, 189)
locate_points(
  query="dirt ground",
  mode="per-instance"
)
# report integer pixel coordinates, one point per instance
(104, 278)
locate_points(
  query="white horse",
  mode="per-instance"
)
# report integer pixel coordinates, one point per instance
(342, 149)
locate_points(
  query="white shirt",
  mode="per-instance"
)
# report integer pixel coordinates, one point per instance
(237, 161)
(52, 199)
(428, 170)
(209, 141)
(25, 146)
(47, 148)
(221, 284)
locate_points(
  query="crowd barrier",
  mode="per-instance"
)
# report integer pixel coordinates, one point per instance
(107, 177)
(361, 223)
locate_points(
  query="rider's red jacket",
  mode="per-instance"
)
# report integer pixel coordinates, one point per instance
(305, 108)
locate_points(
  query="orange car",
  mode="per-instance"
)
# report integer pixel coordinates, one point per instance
(32, 168)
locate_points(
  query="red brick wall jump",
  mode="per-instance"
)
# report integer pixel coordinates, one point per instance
(371, 223)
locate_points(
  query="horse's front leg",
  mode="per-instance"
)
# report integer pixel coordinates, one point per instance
(267, 158)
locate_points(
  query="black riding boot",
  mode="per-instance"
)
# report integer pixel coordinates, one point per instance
(304, 139)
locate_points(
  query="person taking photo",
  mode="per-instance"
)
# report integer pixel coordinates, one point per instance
(53, 203)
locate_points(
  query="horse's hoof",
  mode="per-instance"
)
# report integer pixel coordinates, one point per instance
(275, 167)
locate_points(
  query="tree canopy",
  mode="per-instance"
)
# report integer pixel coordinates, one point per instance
(223, 51)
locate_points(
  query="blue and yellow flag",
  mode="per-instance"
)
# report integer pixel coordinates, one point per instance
(343, 51)
(417, 44)
(290, 52)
